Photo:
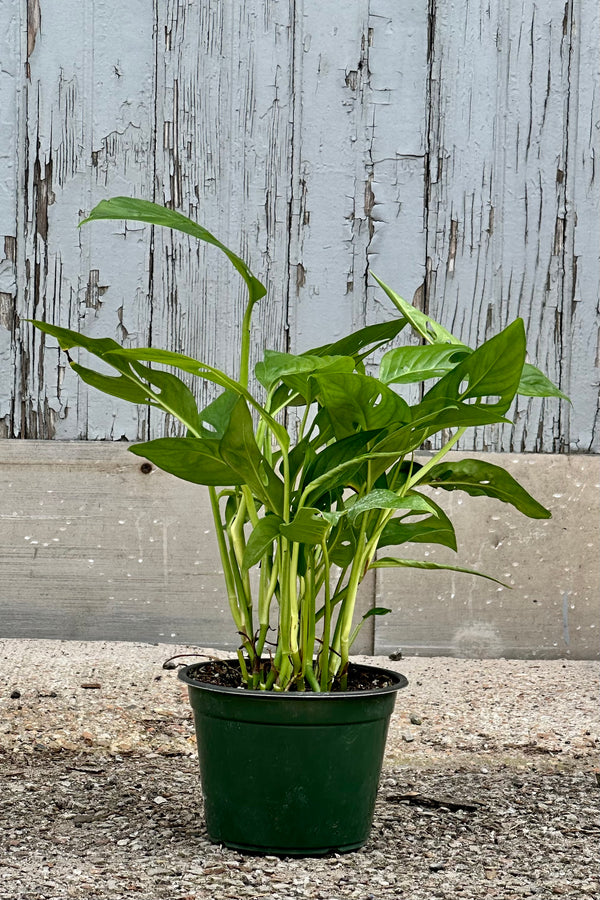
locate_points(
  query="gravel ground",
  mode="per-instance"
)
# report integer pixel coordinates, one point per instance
(490, 785)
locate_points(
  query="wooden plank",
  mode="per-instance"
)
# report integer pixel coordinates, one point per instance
(358, 177)
(580, 361)
(93, 548)
(551, 566)
(223, 148)
(10, 76)
(88, 113)
(501, 200)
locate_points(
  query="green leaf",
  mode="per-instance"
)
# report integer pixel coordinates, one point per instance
(409, 365)
(372, 336)
(493, 370)
(153, 214)
(435, 529)
(426, 327)
(209, 373)
(342, 544)
(115, 385)
(337, 460)
(164, 390)
(239, 449)
(534, 383)
(218, 413)
(173, 395)
(360, 402)
(193, 459)
(384, 499)
(479, 478)
(283, 366)
(309, 526)
(67, 339)
(389, 562)
(261, 540)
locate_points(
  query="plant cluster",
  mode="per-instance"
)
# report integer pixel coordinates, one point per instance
(312, 514)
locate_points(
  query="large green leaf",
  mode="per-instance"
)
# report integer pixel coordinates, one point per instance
(482, 479)
(261, 540)
(422, 324)
(171, 394)
(277, 367)
(430, 417)
(435, 529)
(391, 562)
(407, 365)
(210, 373)
(67, 339)
(359, 402)
(492, 371)
(385, 499)
(146, 211)
(192, 459)
(163, 389)
(534, 383)
(115, 385)
(239, 450)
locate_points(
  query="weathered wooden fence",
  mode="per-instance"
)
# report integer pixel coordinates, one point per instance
(449, 147)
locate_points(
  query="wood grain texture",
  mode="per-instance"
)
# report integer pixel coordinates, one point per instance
(508, 152)
(10, 55)
(449, 148)
(223, 129)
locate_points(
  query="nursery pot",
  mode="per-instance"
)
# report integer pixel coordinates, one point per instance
(290, 773)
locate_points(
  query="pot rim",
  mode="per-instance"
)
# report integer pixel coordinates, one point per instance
(398, 681)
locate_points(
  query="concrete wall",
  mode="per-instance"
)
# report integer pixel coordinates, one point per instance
(93, 548)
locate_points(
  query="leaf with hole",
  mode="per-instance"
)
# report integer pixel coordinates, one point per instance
(482, 479)
(493, 371)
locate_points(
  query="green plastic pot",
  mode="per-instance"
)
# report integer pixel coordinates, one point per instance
(291, 774)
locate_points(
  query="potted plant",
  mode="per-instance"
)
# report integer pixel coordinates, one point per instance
(308, 509)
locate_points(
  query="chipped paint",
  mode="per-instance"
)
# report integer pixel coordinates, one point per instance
(452, 156)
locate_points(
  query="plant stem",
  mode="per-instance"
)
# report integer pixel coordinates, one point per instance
(224, 554)
(325, 649)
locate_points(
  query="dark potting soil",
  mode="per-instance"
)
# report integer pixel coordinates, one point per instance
(226, 673)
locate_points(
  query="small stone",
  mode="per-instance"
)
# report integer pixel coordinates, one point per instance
(395, 654)
(15, 695)
(491, 874)
(437, 866)
(158, 800)
(408, 737)
(415, 719)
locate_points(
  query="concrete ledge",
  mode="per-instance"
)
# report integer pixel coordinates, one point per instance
(91, 548)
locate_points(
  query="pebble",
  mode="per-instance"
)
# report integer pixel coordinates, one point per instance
(408, 737)
(415, 719)
(437, 866)
(15, 695)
